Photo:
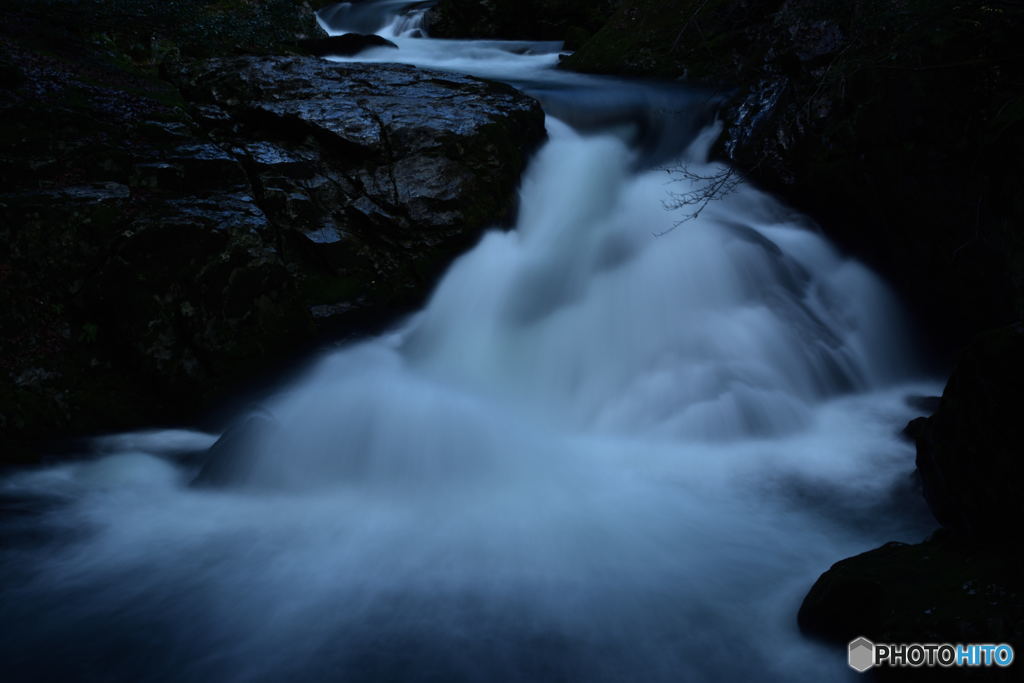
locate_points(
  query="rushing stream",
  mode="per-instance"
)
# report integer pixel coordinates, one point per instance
(610, 448)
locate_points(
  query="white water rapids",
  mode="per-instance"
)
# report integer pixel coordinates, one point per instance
(606, 450)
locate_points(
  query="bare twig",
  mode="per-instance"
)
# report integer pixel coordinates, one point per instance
(704, 189)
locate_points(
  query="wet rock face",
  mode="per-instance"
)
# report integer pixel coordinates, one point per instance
(380, 173)
(156, 250)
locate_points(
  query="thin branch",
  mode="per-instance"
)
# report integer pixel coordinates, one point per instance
(705, 189)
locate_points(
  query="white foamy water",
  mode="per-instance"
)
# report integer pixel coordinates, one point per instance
(502, 59)
(606, 450)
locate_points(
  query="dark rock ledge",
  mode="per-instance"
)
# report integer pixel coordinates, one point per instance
(376, 175)
(167, 233)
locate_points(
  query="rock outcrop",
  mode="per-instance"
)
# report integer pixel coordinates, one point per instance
(378, 173)
(160, 244)
(945, 590)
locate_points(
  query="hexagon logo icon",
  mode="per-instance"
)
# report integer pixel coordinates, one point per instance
(862, 654)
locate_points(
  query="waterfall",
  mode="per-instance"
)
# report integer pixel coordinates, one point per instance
(390, 18)
(618, 443)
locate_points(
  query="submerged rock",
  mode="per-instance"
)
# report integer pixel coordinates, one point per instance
(229, 461)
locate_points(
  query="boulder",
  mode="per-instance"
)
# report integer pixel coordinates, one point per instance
(944, 590)
(380, 173)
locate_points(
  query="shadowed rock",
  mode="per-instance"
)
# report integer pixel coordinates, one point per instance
(969, 452)
(381, 173)
(347, 45)
(946, 589)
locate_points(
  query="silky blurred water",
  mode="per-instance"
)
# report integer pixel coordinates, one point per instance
(616, 445)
